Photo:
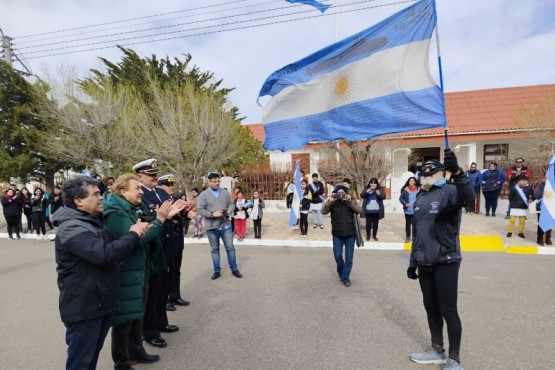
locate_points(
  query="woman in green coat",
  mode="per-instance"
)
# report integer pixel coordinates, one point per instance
(122, 208)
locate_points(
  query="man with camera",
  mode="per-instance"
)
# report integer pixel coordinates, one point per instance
(341, 208)
(215, 205)
(437, 256)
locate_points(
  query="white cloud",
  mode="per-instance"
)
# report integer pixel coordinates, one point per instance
(484, 44)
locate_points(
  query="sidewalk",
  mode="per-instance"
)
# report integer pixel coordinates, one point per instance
(478, 234)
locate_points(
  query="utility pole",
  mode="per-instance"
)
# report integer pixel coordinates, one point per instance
(7, 48)
(9, 56)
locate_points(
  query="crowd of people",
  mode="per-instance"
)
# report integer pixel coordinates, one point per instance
(119, 247)
(521, 194)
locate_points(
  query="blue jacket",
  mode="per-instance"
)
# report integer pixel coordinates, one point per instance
(492, 180)
(404, 198)
(475, 178)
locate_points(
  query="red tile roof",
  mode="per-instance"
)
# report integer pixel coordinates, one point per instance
(482, 112)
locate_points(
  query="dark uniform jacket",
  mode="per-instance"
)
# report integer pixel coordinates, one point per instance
(87, 256)
(437, 219)
(168, 236)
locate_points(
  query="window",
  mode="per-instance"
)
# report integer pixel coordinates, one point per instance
(496, 153)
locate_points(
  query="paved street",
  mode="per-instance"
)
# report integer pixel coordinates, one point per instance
(291, 312)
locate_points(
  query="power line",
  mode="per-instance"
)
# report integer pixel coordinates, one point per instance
(190, 29)
(138, 24)
(161, 27)
(220, 31)
(131, 19)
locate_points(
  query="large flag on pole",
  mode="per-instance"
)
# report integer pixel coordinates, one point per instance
(317, 4)
(547, 215)
(372, 83)
(296, 203)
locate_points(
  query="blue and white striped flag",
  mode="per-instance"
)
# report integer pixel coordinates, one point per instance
(373, 83)
(547, 215)
(296, 203)
(317, 4)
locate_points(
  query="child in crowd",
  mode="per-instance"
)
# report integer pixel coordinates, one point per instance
(240, 215)
(407, 198)
(257, 213)
(520, 196)
(196, 217)
(306, 198)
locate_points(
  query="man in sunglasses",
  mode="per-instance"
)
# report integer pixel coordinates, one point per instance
(512, 176)
(436, 254)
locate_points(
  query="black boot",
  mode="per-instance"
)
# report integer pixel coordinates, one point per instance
(120, 343)
(137, 352)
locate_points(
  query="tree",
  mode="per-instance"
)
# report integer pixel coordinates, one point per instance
(178, 114)
(86, 128)
(188, 131)
(537, 121)
(357, 160)
(23, 130)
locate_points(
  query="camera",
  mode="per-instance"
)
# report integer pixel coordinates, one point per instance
(339, 196)
(225, 213)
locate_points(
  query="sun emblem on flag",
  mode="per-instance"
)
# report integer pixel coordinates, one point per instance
(547, 194)
(342, 87)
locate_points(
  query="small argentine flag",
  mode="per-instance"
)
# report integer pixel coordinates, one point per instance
(547, 215)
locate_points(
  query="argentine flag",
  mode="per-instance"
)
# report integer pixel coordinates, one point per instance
(296, 203)
(547, 215)
(317, 4)
(373, 83)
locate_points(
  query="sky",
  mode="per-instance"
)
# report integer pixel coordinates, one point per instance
(484, 44)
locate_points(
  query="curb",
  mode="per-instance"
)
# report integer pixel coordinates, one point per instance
(473, 243)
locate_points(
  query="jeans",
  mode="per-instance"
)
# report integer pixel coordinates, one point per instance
(304, 223)
(226, 235)
(491, 200)
(439, 286)
(344, 267)
(409, 225)
(84, 341)
(257, 226)
(39, 222)
(317, 217)
(372, 222)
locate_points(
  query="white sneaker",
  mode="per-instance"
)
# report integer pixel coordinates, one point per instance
(452, 365)
(430, 356)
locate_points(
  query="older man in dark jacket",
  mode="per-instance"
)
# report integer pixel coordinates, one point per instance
(87, 258)
(436, 254)
(342, 207)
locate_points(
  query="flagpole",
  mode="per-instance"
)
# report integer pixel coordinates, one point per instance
(441, 79)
